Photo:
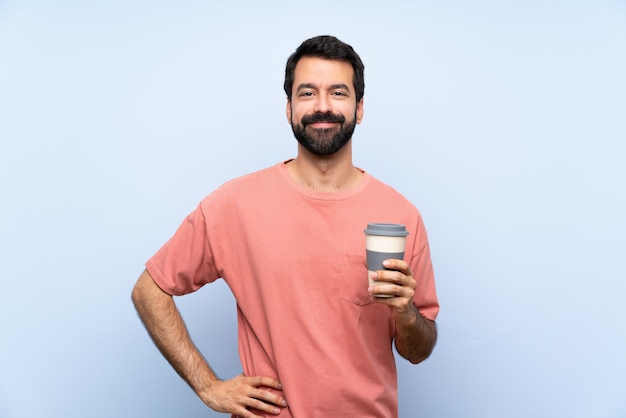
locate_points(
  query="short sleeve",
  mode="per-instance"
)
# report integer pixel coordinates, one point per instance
(425, 297)
(185, 263)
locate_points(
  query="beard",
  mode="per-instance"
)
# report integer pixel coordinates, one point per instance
(327, 141)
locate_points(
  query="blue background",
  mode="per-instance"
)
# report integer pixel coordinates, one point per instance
(503, 121)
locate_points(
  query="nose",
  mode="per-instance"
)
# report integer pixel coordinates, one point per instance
(323, 104)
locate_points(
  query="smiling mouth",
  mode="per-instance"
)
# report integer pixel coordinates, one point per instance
(322, 120)
(322, 125)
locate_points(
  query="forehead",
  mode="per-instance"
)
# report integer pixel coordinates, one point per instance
(323, 72)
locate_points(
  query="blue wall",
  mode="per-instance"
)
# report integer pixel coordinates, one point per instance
(504, 122)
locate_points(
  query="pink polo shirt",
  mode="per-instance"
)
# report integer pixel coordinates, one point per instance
(293, 259)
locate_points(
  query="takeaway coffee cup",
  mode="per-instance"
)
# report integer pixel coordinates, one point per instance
(382, 242)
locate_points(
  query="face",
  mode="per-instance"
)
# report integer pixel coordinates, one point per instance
(323, 111)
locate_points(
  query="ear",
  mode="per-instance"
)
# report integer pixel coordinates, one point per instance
(288, 111)
(359, 111)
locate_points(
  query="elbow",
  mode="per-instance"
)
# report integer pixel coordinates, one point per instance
(420, 357)
(146, 293)
(421, 345)
(141, 289)
(415, 355)
(135, 295)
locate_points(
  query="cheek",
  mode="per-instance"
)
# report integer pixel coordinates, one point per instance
(295, 115)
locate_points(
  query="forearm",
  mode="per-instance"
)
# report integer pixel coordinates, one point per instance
(165, 325)
(416, 336)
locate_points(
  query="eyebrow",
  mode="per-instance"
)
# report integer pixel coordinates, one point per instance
(340, 86)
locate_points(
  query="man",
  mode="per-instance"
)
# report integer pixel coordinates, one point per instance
(289, 241)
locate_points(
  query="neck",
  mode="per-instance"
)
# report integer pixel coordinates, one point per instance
(331, 173)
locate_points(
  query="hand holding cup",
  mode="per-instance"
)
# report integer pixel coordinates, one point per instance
(383, 241)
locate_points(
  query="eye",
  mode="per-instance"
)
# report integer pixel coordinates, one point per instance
(306, 94)
(339, 93)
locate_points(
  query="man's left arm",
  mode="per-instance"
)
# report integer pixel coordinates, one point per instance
(415, 335)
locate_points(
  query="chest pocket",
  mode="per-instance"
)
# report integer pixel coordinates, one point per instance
(354, 282)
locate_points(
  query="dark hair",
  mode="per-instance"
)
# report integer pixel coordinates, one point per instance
(330, 48)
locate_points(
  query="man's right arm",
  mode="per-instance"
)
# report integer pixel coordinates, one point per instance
(165, 325)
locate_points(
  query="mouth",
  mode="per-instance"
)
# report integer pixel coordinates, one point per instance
(322, 125)
(322, 120)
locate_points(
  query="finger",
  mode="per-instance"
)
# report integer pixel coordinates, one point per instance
(260, 390)
(390, 290)
(390, 276)
(268, 397)
(245, 406)
(397, 264)
(265, 381)
(261, 406)
(382, 293)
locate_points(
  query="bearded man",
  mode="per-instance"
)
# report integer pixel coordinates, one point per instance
(313, 339)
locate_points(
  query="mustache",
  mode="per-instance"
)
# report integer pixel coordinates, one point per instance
(322, 117)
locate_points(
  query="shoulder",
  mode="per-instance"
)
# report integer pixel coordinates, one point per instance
(393, 204)
(243, 189)
(384, 190)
